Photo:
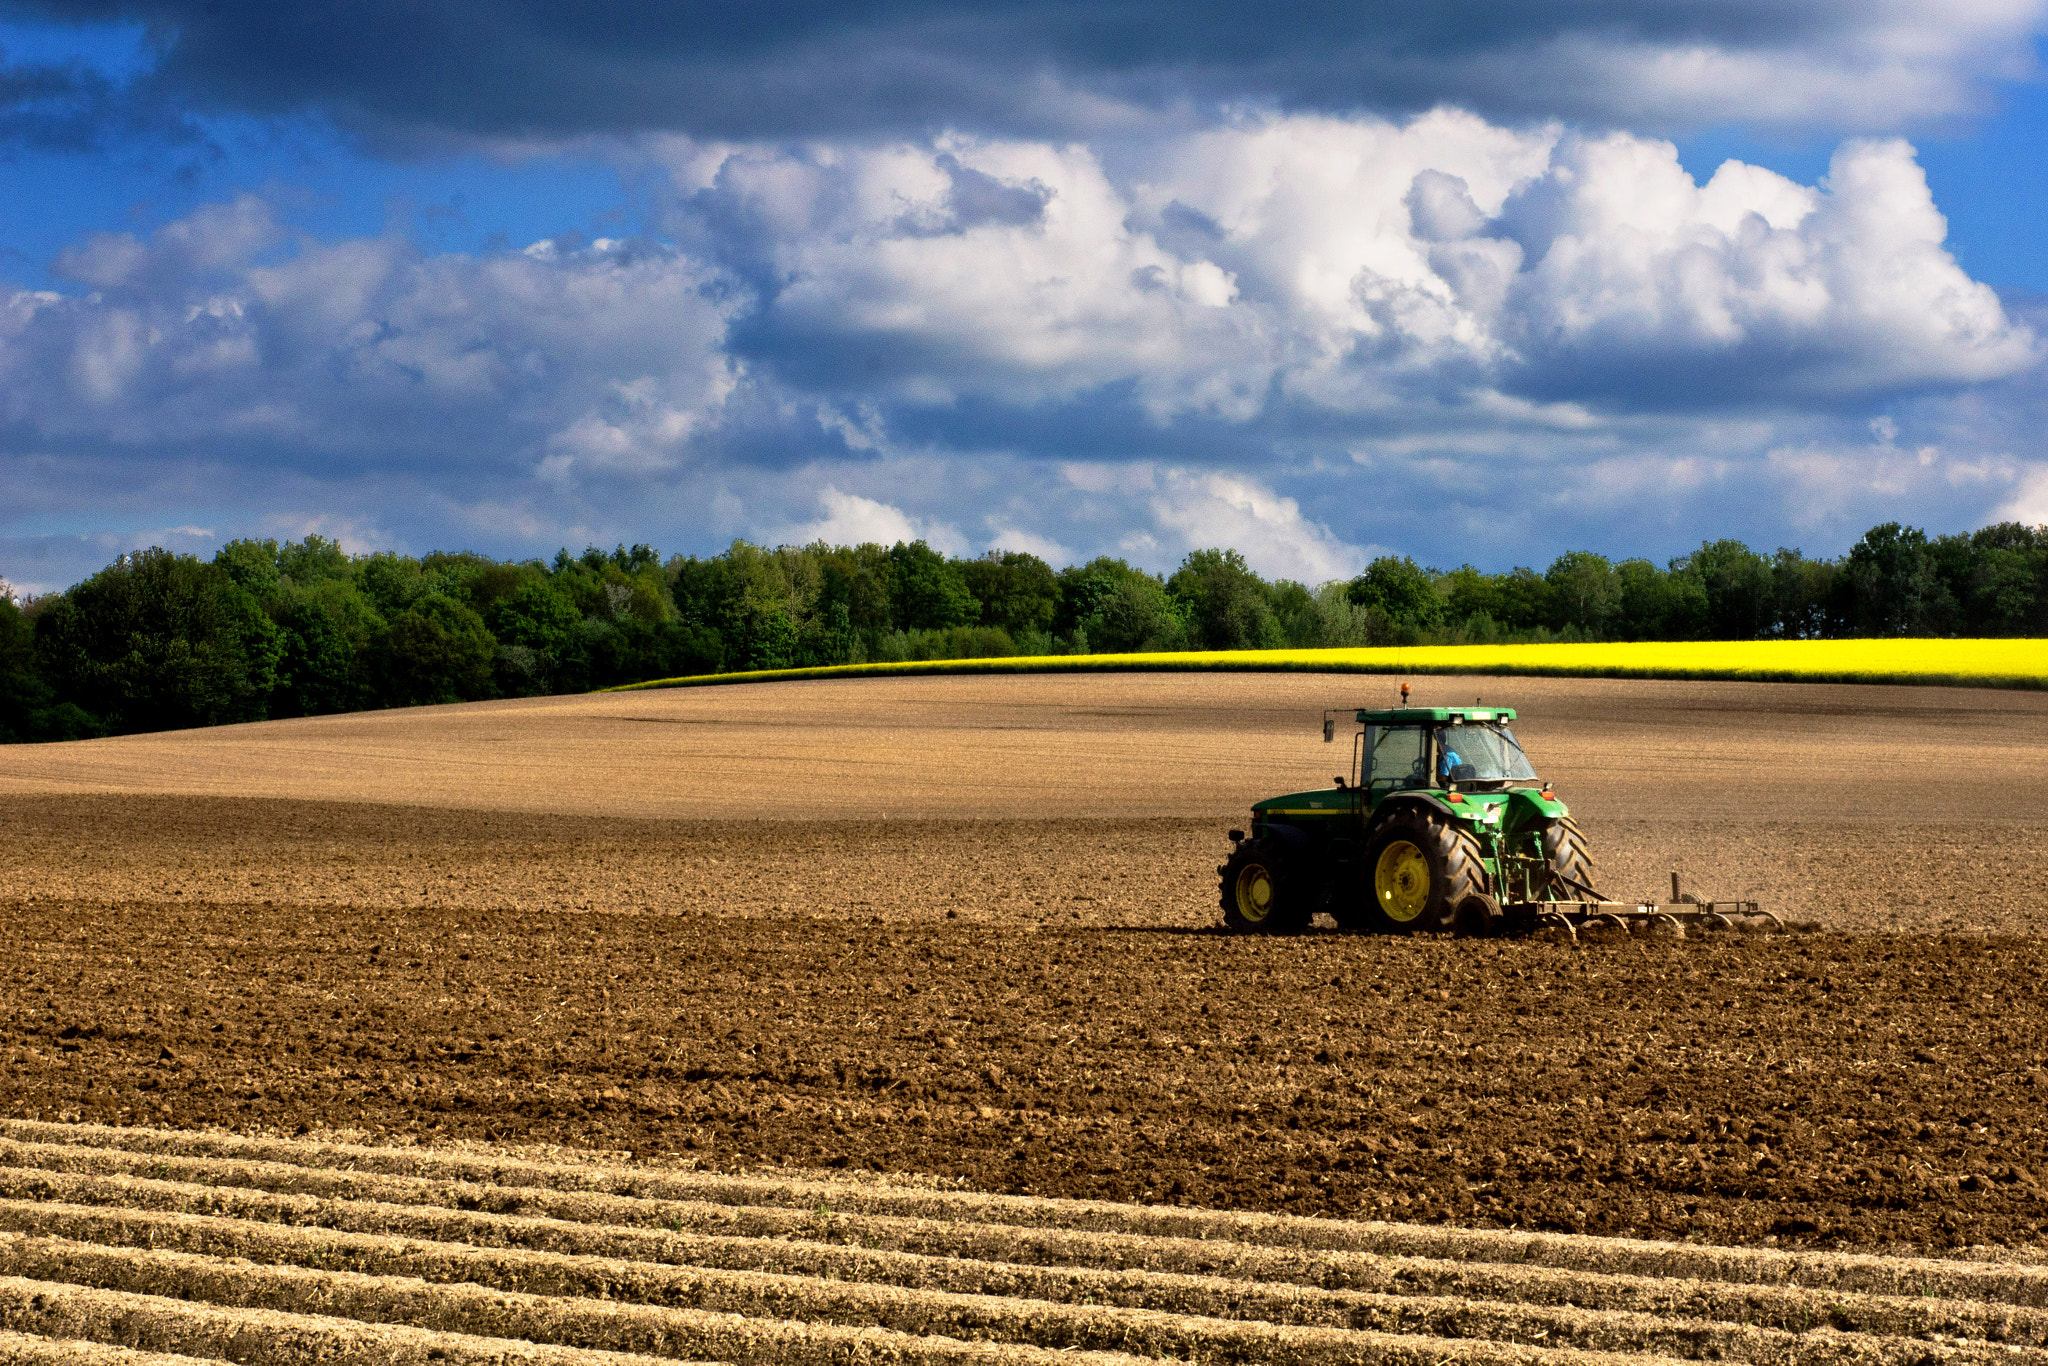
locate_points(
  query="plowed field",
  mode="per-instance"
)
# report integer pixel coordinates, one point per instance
(965, 928)
(121, 1242)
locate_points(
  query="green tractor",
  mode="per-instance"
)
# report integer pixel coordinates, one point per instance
(1442, 825)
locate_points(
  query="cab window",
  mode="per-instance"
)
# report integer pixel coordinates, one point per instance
(1398, 757)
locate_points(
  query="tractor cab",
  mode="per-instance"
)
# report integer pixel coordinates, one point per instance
(1469, 749)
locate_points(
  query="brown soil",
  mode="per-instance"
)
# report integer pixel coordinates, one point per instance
(834, 925)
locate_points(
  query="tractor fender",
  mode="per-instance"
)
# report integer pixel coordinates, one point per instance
(1532, 808)
(1403, 800)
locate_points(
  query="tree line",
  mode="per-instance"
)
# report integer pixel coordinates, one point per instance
(158, 641)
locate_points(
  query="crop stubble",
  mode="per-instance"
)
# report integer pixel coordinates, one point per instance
(962, 927)
(135, 1243)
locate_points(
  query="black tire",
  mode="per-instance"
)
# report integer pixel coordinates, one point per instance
(1478, 916)
(1256, 892)
(1418, 869)
(1564, 849)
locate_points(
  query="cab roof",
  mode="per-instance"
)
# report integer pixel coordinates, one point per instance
(1426, 716)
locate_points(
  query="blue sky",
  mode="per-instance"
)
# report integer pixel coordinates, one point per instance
(1465, 281)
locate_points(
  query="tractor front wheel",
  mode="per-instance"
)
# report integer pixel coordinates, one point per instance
(1418, 870)
(1256, 896)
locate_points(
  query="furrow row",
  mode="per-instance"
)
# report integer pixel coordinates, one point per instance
(161, 1330)
(772, 1206)
(921, 1327)
(27, 1349)
(1583, 1309)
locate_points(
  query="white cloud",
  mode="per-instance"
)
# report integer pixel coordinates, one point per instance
(1355, 266)
(1194, 510)
(853, 520)
(1031, 287)
(2029, 502)
(605, 360)
(1007, 537)
(1301, 336)
(1835, 486)
(1749, 283)
(1885, 64)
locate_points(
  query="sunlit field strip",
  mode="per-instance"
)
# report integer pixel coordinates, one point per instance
(1951, 663)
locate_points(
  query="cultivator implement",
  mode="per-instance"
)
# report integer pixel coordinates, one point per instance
(1684, 914)
(1651, 918)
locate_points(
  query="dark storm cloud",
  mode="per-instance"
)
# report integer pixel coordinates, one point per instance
(526, 69)
(73, 107)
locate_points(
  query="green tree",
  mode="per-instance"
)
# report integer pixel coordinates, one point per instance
(759, 601)
(1017, 591)
(157, 641)
(437, 650)
(1302, 623)
(1889, 586)
(1137, 615)
(29, 709)
(390, 581)
(2002, 586)
(252, 565)
(1802, 590)
(856, 580)
(1585, 592)
(537, 614)
(1224, 604)
(313, 560)
(1402, 591)
(1741, 592)
(928, 592)
(1083, 588)
(1659, 605)
(328, 629)
(535, 627)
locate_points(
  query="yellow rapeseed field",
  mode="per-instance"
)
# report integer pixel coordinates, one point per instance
(1956, 663)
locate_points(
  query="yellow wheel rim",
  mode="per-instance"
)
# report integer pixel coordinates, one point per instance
(1254, 893)
(1401, 881)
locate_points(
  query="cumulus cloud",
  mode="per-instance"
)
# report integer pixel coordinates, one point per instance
(1827, 485)
(850, 519)
(1354, 266)
(222, 329)
(1242, 513)
(1304, 336)
(426, 70)
(862, 293)
(1746, 285)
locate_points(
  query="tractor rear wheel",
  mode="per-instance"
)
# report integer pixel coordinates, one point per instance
(1255, 892)
(1564, 849)
(1418, 869)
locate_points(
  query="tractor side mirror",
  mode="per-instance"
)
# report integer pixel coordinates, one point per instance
(1329, 730)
